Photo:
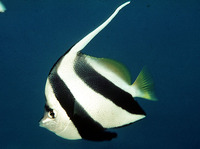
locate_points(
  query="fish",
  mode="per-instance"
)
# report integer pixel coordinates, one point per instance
(2, 7)
(86, 96)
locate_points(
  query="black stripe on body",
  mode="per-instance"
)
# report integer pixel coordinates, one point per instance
(86, 126)
(101, 85)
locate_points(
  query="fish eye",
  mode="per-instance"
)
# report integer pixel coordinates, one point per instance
(52, 114)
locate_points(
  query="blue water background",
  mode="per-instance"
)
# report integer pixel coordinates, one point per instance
(163, 35)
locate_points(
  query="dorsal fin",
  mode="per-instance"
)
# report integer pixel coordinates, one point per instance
(83, 42)
(116, 67)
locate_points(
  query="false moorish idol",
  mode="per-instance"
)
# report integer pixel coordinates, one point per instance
(85, 96)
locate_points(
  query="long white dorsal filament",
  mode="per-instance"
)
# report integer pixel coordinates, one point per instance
(83, 42)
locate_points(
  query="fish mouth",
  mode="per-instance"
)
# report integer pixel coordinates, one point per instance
(42, 121)
(41, 124)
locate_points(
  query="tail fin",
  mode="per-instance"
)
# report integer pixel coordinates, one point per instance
(144, 86)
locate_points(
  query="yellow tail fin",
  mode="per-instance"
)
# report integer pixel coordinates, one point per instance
(144, 85)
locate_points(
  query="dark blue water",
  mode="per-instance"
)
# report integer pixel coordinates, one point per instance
(163, 35)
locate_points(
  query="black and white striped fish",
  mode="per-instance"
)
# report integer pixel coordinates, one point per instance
(85, 95)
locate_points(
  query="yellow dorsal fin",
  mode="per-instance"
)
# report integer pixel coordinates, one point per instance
(118, 68)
